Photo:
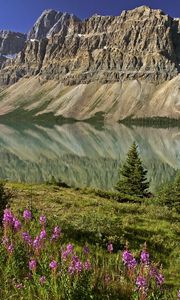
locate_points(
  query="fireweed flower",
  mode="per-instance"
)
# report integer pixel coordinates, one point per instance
(71, 269)
(42, 280)
(144, 257)
(19, 286)
(27, 238)
(86, 250)
(69, 248)
(10, 249)
(178, 295)
(153, 272)
(78, 266)
(8, 217)
(42, 220)
(42, 234)
(16, 224)
(110, 248)
(53, 265)
(64, 255)
(36, 243)
(27, 215)
(141, 282)
(87, 265)
(56, 233)
(129, 260)
(32, 265)
(159, 279)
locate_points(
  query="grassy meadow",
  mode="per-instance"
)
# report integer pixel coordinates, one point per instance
(87, 219)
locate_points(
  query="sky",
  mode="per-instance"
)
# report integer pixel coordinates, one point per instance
(20, 15)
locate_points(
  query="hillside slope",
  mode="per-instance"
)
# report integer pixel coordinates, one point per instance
(116, 101)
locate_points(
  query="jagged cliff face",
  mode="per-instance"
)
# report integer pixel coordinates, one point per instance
(115, 65)
(141, 43)
(11, 43)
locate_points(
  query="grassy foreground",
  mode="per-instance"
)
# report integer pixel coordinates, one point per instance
(87, 218)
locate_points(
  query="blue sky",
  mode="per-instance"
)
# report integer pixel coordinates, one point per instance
(20, 15)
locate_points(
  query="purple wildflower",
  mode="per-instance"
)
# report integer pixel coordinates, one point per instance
(8, 217)
(53, 265)
(64, 255)
(42, 234)
(153, 272)
(110, 248)
(78, 266)
(42, 280)
(10, 249)
(144, 257)
(32, 265)
(16, 224)
(19, 286)
(27, 238)
(178, 295)
(56, 233)
(69, 248)
(159, 279)
(129, 260)
(42, 220)
(86, 250)
(36, 242)
(71, 269)
(87, 265)
(57, 230)
(27, 215)
(141, 282)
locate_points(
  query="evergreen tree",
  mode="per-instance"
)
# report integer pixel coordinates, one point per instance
(132, 175)
(169, 193)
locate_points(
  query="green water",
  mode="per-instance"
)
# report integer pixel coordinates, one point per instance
(85, 155)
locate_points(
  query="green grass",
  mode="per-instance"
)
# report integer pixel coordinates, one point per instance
(84, 216)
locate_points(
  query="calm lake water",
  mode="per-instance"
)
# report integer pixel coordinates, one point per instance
(83, 155)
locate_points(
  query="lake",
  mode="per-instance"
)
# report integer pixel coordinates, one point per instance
(85, 155)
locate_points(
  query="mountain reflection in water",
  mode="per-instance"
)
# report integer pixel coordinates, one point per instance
(82, 155)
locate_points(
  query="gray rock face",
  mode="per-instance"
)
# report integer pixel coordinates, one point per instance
(50, 23)
(11, 43)
(139, 44)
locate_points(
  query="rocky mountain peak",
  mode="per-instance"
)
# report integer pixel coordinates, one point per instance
(50, 22)
(11, 42)
(140, 43)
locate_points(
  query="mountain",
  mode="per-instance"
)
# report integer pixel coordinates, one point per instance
(11, 43)
(118, 66)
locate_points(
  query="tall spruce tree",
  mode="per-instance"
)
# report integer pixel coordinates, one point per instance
(132, 175)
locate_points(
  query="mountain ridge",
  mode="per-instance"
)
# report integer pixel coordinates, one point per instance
(140, 48)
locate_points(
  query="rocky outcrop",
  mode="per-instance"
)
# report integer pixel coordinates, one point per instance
(140, 43)
(11, 43)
